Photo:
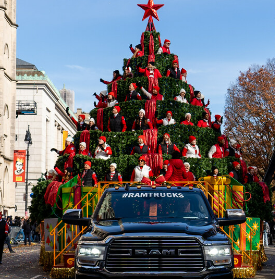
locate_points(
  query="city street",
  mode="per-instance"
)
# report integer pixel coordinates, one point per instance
(23, 263)
(268, 271)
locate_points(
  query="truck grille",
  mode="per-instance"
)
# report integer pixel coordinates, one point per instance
(154, 254)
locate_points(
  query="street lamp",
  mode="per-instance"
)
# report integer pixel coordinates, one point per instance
(28, 141)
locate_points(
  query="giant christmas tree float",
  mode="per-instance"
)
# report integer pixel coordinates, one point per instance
(122, 143)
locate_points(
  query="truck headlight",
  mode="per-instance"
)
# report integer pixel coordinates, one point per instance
(94, 252)
(219, 255)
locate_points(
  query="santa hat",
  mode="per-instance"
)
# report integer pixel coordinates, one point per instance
(112, 94)
(175, 61)
(82, 116)
(188, 113)
(157, 88)
(103, 138)
(104, 92)
(187, 164)
(129, 69)
(166, 134)
(166, 41)
(183, 71)
(69, 138)
(220, 138)
(235, 164)
(142, 158)
(169, 112)
(182, 90)
(166, 162)
(217, 117)
(83, 144)
(135, 85)
(250, 168)
(92, 119)
(142, 110)
(88, 163)
(117, 108)
(53, 171)
(114, 165)
(191, 138)
(142, 137)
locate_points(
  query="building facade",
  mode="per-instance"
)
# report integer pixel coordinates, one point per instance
(48, 123)
(8, 28)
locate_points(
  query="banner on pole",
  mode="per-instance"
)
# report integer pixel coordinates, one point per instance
(19, 165)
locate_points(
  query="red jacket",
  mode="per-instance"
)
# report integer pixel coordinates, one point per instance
(190, 177)
(165, 50)
(185, 122)
(139, 53)
(203, 124)
(197, 102)
(176, 170)
(108, 82)
(84, 152)
(70, 149)
(146, 72)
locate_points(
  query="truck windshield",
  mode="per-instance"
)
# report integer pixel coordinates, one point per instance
(147, 206)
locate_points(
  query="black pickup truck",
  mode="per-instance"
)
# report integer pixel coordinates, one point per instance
(161, 231)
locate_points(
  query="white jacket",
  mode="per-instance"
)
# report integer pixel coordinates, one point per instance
(182, 100)
(191, 151)
(139, 173)
(166, 122)
(112, 104)
(100, 154)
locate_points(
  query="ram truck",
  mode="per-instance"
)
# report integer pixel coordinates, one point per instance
(154, 231)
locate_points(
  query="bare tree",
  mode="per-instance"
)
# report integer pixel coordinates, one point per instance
(250, 111)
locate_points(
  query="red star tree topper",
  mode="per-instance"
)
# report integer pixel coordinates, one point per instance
(150, 9)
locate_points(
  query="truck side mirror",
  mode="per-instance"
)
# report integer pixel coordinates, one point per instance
(74, 217)
(232, 217)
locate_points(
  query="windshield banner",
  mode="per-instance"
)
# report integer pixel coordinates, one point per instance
(153, 195)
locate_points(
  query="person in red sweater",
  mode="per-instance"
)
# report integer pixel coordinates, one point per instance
(141, 123)
(102, 99)
(116, 76)
(174, 72)
(82, 149)
(80, 124)
(4, 231)
(176, 170)
(204, 122)
(249, 177)
(165, 48)
(168, 120)
(113, 175)
(190, 175)
(151, 96)
(183, 75)
(199, 100)
(137, 52)
(116, 122)
(165, 167)
(142, 170)
(141, 148)
(133, 94)
(88, 177)
(187, 120)
(255, 175)
(216, 125)
(65, 176)
(217, 150)
(153, 75)
(235, 173)
(166, 146)
(191, 150)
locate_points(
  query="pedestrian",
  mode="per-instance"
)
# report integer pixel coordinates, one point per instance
(27, 230)
(7, 240)
(21, 231)
(4, 230)
(266, 231)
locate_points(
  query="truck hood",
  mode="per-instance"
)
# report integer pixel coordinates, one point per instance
(105, 228)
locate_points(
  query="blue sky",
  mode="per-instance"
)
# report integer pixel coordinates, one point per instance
(79, 42)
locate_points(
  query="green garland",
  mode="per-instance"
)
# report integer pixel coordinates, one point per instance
(256, 206)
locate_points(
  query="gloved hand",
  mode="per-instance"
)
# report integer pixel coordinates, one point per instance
(55, 166)
(102, 148)
(94, 94)
(67, 111)
(139, 84)
(130, 46)
(101, 80)
(208, 103)
(94, 104)
(54, 149)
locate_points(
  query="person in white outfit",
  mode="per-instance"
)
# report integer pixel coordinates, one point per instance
(181, 98)
(103, 150)
(140, 171)
(191, 150)
(168, 120)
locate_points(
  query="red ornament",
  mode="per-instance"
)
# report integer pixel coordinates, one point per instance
(150, 9)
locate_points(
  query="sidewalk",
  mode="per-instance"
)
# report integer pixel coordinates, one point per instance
(268, 271)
